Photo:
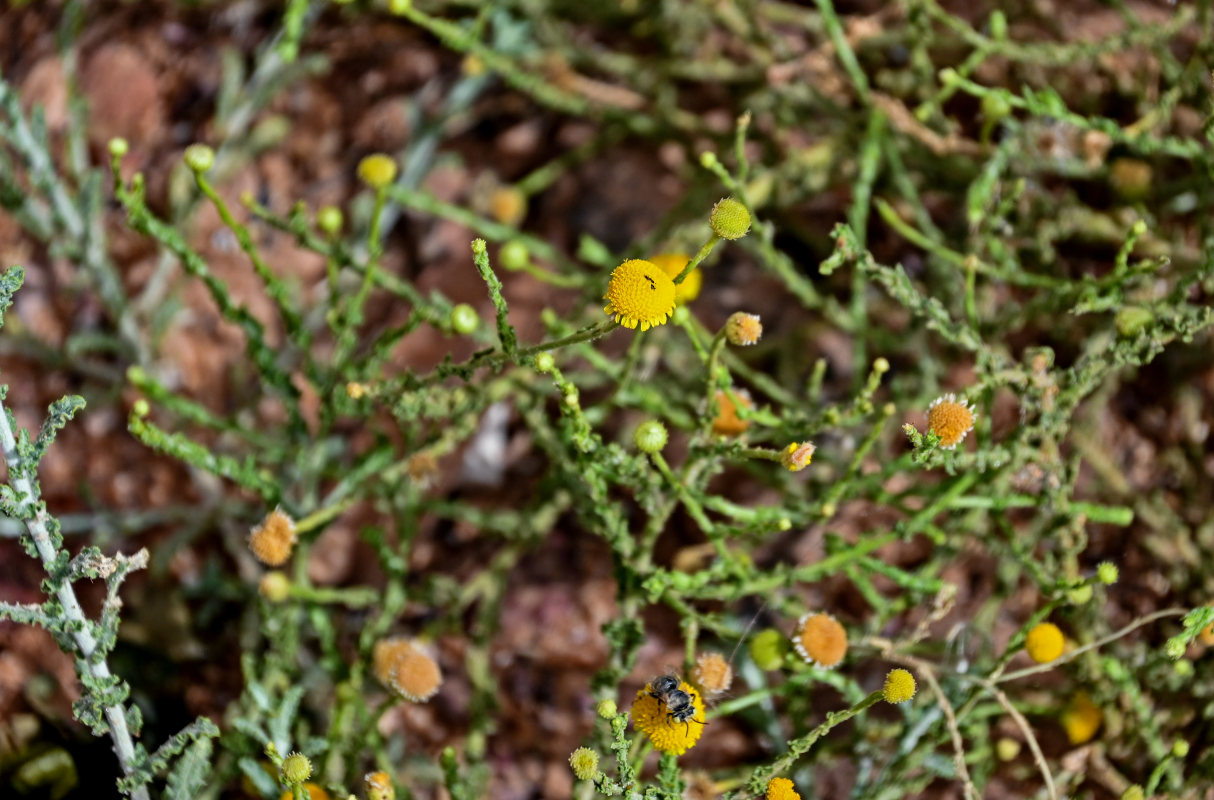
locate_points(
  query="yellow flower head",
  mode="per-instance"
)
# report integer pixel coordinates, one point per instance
(820, 640)
(781, 789)
(585, 763)
(797, 456)
(652, 716)
(712, 673)
(273, 539)
(639, 293)
(950, 419)
(742, 329)
(1044, 642)
(1081, 719)
(727, 422)
(377, 170)
(405, 668)
(672, 264)
(899, 686)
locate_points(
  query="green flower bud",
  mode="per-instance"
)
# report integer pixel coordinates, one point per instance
(585, 763)
(1180, 748)
(514, 255)
(296, 768)
(119, 147)
(545, 363)
(1107, 572)
(1135, 792)
(464, 319)
(275, 586)
(1007, 748)
(998, 25)
(650, 436)
(1080, 594)
(329, 219)
(1132, 320)
(729, 219)
(1174, 648)
(140, 408)
(606, 709)
(768, 648)
(199, 157)
(995, 106)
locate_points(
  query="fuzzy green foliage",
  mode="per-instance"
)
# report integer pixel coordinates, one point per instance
(987, 301)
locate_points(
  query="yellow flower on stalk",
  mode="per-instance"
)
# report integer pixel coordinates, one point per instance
(950, 419)
(1081, 719)
(899, 686)
(639, 293)
(652, 716)
(672, 264)
(781, 789)
(1044, 642)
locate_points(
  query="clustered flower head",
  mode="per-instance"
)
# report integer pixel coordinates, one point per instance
(1081, 719)
(652, 716)
(377, 170)
(585, 763)
(899, 686)
(639, 293)
(950, 419)
(273, 540)
(296, 768)
(672, 264)
(781, 789)
(401, 665)
(729, 219)
(1044, 642)
(727, 421)
(797, 456)
(743, 329)
(712, 673)
(820, 640)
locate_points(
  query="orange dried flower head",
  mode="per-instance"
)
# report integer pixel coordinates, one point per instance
(727, 422)
(508, 205)
(820, 640)
(405, 668)
(313, 791)
(272, 540)
(742, 329)
(712, 673)
(652, 716)
(950, 419)
(639, 293)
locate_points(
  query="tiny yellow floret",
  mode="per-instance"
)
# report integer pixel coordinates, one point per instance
(652, 716)
(1044, 642)
(1081, 719)
(377, 170)
(820, 640)
(712, 673)
(639, 293)
(797, 456)
(672, 264)
(404, 667)
(950, 419)
(781, 789)
(899, 686)
(273, 540)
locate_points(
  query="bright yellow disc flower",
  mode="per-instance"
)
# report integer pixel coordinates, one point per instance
(639, 293)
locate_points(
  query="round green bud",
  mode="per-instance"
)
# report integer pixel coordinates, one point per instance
(1107, 572)
(1007, 748)
(708, 159)
(1080, 594)
(729, 219)
(680, 315)
(119, 147)
(585, 763)
(199, 157)
(997, 26)
(828, 510)
(275, 586)
(881, 366)
(514, 255)
(329, 219)
(296, 768)
(768, 648)
(545, 363)
(948, 76)
(571, 395)
(606, 709)
(1174, 648)
(377, 170)
(1183, 668)
(650, 436)
(1132, 320)
(995, 106)
(1180, 748)
(1135, 792)
(399, 6)
(140, 408)
(784, 524)
(464, 319)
